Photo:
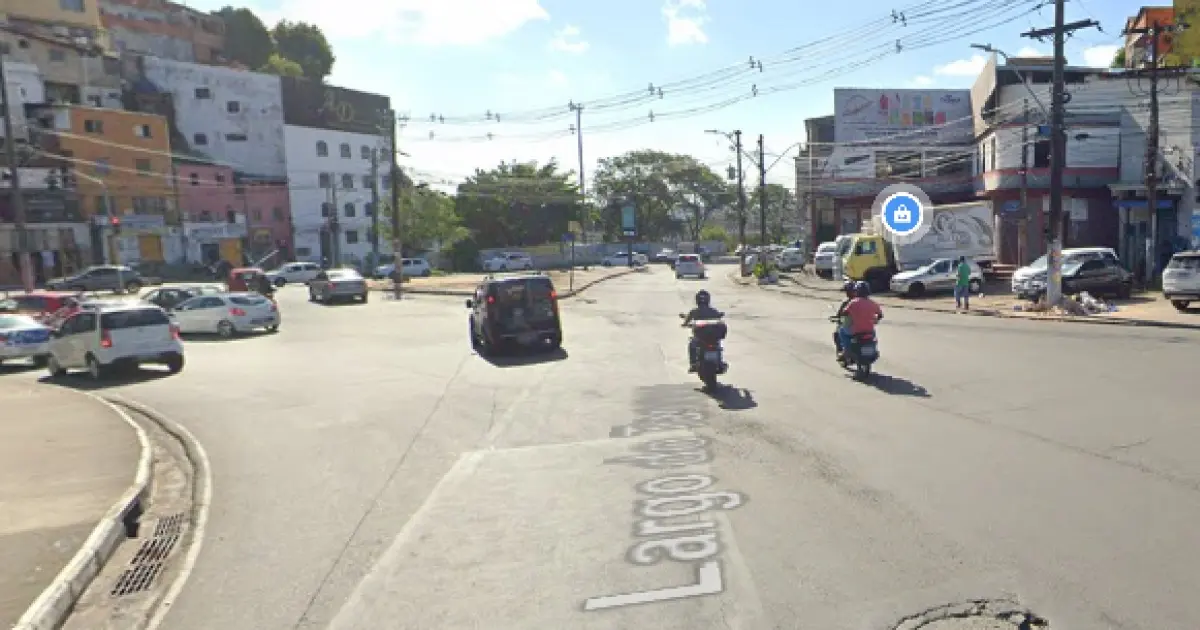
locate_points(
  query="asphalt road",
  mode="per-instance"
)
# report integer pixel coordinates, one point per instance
(371, 472)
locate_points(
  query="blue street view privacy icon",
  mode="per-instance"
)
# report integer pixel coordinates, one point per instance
(902, 213)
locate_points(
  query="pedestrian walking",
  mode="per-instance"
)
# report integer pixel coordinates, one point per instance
(962, 286)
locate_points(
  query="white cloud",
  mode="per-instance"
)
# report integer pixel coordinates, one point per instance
(962, 67)
(1030, 51)
(922, 81)
(568, 40)
(1100, 56)
(424, 22)
(557, 77)
(685, 21)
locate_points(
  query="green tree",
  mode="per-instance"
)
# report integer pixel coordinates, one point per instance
(716, 233)
(282, 66)
(518, 204)
(306, 45)
(247, 40)
(1118, 59)
(427, 219)
(781, 206)
(673, 194)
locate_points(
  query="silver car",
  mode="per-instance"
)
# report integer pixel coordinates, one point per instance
(1181, 280)
(23, 337)
(941, 275)
(337, 284)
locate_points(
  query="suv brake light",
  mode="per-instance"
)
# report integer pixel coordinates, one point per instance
(237, 312)
(105, 339)
(175, 332)
(553, 294)
(491, 300)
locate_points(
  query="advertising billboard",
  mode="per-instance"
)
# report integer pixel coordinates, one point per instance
(902, 116)
(313, 104)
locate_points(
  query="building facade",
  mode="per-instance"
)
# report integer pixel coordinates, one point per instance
(71, 72)
(232, 117)
(212, 212)
(71, 18)
(121, 167)
(267, 201)
(164, 29)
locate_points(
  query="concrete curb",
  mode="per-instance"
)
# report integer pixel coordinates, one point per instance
(52, 607)
(469, 293)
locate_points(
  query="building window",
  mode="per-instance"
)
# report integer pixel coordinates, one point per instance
(323, 180)
(205, 216)
(326, 209)
(367, 182)
(1041, 154)
(200, 139)
(101, 205)
(233, 107)
(203, 93)
(257, 214)
(348, 182)
(142, 166)
(345, 149)
(385, 182)
(366, 152)
(93, 126)
(351, 237)
(141, 131)
(235, 137)
(349, 210)
(277, 213)
(369, 209)
(71, 5)
(57, 55)
(194, 179)
(220, 178)
(322, 149)
(230, 215)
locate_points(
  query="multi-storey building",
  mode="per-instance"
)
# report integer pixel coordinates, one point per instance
(212, 210)
(73, 71)
(164, 29)
(68, 19)
(122, 167)
(337, 158)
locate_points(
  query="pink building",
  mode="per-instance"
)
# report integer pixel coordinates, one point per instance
(270, 219)
(214, 220)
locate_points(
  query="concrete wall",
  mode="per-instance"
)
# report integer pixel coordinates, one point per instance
(206, 192)
(249, 139)
(307, 196)
(25, 86)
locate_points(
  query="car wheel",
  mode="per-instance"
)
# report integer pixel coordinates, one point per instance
(678, 276)
(77, 287)
(975, 286)
(95, 370)
(312, 297)
(471, 334)
(280, 282)
(1125, 291)
(1180, 305)
(607, 263)
(40, 361)
(426, 273)
(226, 329)
(363, 297)
(487, 347)
(55, 370)
(175, 363)
(273, 329)
(133, 287)
(703, 277)
(916, 290)
(556, 342)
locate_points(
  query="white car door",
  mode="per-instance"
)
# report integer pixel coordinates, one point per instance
(77, 340)
(61, 340)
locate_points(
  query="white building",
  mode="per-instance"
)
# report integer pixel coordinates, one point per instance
(232, 116)
(330, 178)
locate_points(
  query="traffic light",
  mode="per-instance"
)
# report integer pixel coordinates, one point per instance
(115, 222)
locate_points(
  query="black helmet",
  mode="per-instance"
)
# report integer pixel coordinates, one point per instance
(862, 289)
(703, 298)
(848, 287)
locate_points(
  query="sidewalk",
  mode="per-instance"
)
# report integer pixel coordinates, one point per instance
(65, 460)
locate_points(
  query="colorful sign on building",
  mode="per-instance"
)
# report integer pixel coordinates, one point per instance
(902, 116)
(320, 106)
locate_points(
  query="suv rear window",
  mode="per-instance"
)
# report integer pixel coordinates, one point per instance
(514, 292)
(248, 300)
(1184, 262)
(134, 319)
(689, 258)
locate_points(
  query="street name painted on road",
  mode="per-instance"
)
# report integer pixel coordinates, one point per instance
(672, 513)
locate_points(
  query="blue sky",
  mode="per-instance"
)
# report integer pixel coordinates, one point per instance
(462, 58)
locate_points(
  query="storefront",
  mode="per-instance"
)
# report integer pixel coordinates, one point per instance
(56, 249)
(209, 242)
(143, 238)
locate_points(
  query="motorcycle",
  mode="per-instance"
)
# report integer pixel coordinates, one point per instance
(862, 353)
(708, 335)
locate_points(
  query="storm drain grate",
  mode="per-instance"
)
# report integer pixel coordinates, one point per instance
(136, 578)
(147, 562)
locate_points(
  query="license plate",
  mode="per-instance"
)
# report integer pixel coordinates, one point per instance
(868, 351)
(712, 355)
(261, 320)
(527, 337)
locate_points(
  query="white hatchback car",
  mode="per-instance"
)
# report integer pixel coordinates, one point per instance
(689, 265)
(107, 335)
(621, 259)
(226, 314)
(297, 272)
(508, 261)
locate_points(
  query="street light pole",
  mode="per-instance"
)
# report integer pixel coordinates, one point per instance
(24, 259)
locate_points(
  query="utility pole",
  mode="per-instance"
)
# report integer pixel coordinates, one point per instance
(741, 182)
(335, 246)
(762, 195)
(582, 190)
(18, 199)
(1023, 222)
(374, 208)
(1058, 145)
(397, 248)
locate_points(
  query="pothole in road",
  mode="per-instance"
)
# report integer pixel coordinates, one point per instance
(975, 615)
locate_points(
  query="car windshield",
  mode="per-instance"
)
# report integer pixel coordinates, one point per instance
(133, 318)
(1191, 263)
(343, 274)
(249, 300)
(8, 322)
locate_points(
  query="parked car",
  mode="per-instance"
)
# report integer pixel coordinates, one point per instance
(621, 259)
(665, 255)
(409, 267)
(338, 284)
(1098, 276)
(689, 265)
(1181, 279)
(297, 272)
(823, 259)
(1029, 282)
(48, 307)
(115, 335)
(791, 258)
(515, 310)
(169, 297)
(24, 338)
(115, 278)
(226, 314)
(508, 261)
(941, 275)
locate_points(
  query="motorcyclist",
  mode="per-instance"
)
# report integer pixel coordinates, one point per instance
(862, 312)
(263, 285)
(703, 310)
(840, 317)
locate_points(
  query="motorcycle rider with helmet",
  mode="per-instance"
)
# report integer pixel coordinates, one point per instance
(862, 313)
(840, 317)
(703, 310)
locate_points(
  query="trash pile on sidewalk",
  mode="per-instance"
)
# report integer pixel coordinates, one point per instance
(1080, 305)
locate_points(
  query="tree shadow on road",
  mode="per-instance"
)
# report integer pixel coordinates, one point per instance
(520, 358)
(897, 386)
(732, 398)
(80, 380)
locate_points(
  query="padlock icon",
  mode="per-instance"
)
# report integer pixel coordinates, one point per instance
(902, 214)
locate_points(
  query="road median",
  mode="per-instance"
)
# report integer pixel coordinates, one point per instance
(463, 285)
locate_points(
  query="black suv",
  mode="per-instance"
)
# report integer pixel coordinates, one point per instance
(514, 310)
